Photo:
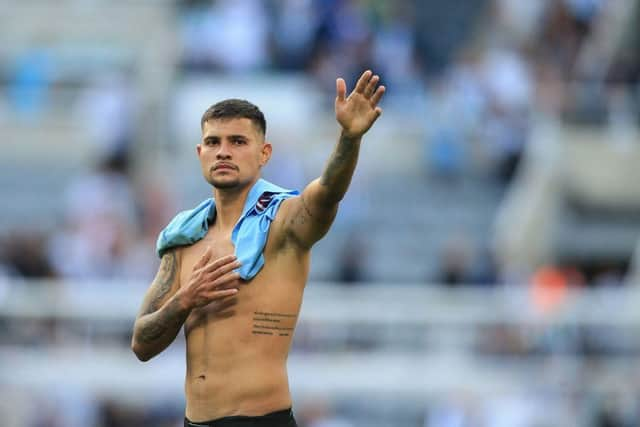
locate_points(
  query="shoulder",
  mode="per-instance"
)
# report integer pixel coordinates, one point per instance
(185, 228)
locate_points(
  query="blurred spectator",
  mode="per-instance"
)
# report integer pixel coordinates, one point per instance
(393, 50)
(457, 104)
(550, 285)
(25, 255)
(343, 45)
(155, 206)
(351, 262)
(509, 89)
(294, 31)
(100, 223)
(443, 28)
(446, 155)
(446, 151)
(30, 82)
(106, 109)
(455, 262)
(565, 25)
(230, 35)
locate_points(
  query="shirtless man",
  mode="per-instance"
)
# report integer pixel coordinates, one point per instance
(238, 333)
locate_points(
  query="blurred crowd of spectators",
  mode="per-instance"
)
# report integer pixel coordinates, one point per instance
(108, 230)
(456, 408)
(481, 83)
(481, 68)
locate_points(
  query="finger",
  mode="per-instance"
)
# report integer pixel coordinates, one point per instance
(362, 81)
(214, 264)
(214, 272)
(224, 293)
(229, 284)
(341, 89)
(221, 281)
(377, 95)
(204, 258)
(376, 113)
(371, 86)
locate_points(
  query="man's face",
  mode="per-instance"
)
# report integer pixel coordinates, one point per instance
(232, 152)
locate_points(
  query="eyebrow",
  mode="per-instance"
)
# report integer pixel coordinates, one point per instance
(229, 136)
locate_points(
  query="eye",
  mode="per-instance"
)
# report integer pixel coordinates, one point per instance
(210, 141)
(239, 141)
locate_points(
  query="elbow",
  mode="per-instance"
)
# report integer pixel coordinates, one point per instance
(139, 351)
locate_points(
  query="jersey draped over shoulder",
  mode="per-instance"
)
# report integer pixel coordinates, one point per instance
(249, 235)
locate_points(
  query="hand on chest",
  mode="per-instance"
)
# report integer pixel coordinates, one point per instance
(219, 244)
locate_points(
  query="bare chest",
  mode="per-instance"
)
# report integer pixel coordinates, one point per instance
(220, 245)
(265, 306)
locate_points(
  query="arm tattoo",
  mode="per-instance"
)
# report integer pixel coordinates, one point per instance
(162, 284)
(303, 214)
(343, 153)
(170, 318)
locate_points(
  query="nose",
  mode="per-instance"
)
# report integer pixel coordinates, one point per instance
(223, 151)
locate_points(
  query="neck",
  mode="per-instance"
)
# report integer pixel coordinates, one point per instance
(229, 205)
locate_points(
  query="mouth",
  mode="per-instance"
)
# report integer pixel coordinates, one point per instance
(224, 166)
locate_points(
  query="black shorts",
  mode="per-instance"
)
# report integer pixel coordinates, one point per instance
(282, 418)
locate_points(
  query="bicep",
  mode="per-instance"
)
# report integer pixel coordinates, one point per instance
(309, 216)
(164, 285)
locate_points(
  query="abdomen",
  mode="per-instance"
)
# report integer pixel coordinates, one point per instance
(232, 371)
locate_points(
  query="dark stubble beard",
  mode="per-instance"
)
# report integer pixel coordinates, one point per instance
(224, 184)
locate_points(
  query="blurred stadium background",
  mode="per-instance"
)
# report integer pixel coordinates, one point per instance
(483, 269)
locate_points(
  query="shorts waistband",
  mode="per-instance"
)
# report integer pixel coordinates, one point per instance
(284, 415)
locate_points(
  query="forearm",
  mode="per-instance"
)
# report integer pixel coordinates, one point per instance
(338, 172)
(153, 332)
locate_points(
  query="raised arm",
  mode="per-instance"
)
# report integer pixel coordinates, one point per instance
(167, 304)
(311, 214)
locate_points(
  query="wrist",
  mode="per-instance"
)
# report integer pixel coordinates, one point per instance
(182, 302)
(350, 137)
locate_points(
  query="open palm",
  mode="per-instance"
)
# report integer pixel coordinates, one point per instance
(357, 112)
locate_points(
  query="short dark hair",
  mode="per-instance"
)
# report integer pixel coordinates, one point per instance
(234, 109)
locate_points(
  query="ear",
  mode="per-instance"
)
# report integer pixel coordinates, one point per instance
(265, 153)
(198, 149)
